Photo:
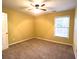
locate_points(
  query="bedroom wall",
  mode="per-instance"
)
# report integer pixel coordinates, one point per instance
(75, 36)
(44, 27)
(20, 25)
(23, 26)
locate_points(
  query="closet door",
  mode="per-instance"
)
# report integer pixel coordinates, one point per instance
(4, 31)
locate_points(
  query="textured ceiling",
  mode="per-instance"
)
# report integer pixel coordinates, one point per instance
(53, 5)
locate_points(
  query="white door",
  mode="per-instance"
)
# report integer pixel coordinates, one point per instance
(4, 31)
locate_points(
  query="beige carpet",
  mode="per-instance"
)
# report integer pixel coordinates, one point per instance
(38, 49)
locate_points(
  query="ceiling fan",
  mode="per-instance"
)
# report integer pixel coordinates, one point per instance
(43, 6)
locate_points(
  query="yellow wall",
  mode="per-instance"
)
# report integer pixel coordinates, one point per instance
(75, 35)
(44, 25)
(20, 25)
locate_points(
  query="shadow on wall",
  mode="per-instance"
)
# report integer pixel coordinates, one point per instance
(45, 26)
(22, 26)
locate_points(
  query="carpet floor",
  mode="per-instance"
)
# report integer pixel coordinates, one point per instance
(38, 49)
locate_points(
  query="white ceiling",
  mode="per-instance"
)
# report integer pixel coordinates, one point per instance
(53, 5)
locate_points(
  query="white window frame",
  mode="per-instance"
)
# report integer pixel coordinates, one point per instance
(60, 35)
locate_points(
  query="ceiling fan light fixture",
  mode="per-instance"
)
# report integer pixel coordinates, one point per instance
(37, 6)
(37, 11)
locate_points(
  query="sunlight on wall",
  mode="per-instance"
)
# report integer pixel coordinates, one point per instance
(20, 25)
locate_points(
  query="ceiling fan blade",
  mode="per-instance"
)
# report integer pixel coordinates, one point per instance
(42, 5)
(32, 5)
(44, 9)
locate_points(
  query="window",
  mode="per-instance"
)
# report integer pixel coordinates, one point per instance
(62, 26)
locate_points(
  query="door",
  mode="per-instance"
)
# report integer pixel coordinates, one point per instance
(4, 31)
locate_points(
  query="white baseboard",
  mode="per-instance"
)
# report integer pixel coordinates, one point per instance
(75, 51)
(21, 41)
(54, 41)
(41, 39)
